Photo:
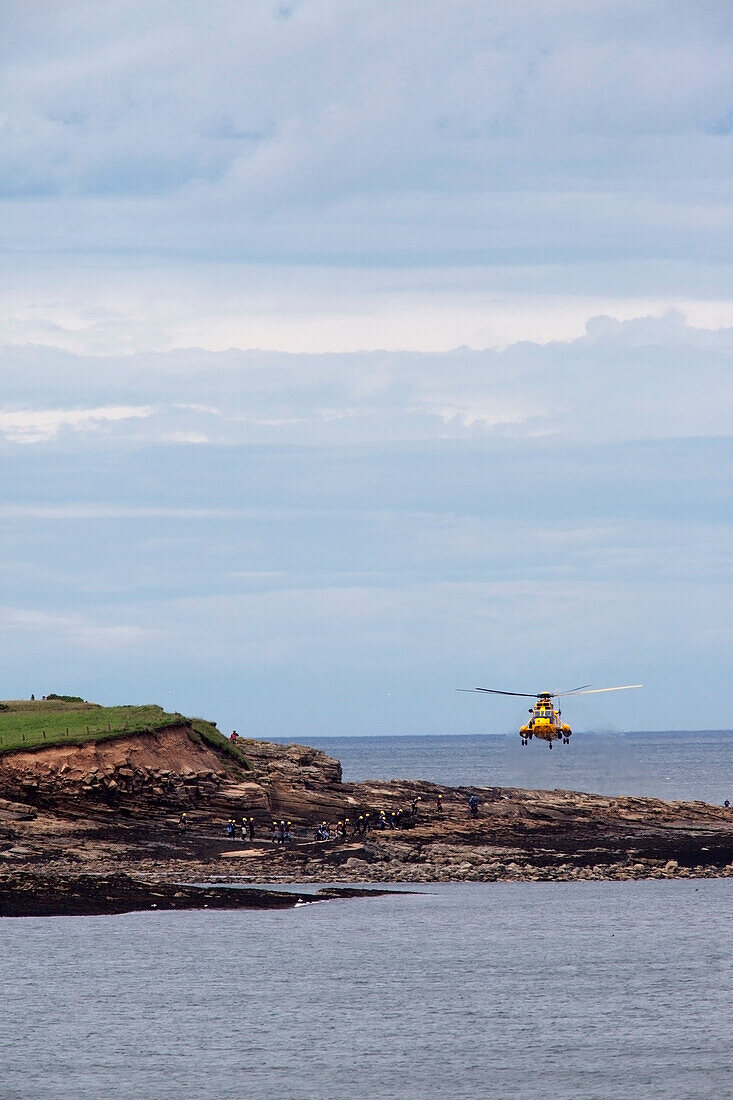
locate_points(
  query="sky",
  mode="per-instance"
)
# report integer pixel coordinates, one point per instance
(351, 353)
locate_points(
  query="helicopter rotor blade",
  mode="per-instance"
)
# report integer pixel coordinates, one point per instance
(557, 694)
(493, 691)
(597, 691)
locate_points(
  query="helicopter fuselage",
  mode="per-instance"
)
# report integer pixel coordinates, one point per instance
(546, 723)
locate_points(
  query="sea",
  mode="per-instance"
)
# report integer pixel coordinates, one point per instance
(551, 990)
(673, 764)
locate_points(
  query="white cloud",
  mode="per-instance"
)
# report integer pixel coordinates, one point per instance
(643, 378)
(38, 425)
(79, 630)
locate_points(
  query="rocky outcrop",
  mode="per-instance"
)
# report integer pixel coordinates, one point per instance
(116, 804)
(169, 768)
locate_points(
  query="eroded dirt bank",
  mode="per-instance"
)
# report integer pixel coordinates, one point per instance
(116, 806)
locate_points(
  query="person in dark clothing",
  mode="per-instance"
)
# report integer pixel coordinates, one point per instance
(473, 805)
(251, 827)
(440, 803)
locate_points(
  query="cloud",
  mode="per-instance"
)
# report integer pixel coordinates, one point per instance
(510, 130)
(40, 425)
(530, 201)
(85, 632)
(645, 378)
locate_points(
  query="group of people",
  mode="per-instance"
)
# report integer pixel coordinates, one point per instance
(281, 831)
(384, 819)
(247, 828)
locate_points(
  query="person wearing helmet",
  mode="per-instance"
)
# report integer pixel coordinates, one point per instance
(440, 803)
(251, 827)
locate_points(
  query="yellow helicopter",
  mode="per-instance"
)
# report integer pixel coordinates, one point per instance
(546, 722)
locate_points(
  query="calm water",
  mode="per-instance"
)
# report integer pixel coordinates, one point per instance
(677, 764)
(587, 990)
(550, 990)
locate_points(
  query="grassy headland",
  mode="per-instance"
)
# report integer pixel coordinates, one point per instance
(28, 725)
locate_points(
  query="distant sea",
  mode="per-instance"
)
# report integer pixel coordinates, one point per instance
(555, 991)
(675, 764)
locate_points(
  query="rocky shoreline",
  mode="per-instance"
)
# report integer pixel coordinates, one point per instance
(72, 819)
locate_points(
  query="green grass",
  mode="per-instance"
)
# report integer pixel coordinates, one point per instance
(36, 724)
(209, 733)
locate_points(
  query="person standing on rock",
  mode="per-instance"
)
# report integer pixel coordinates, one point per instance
(440, 803)
(251, 827)
(182, 821)
(473, 805)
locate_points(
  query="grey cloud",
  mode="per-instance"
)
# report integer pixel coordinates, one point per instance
(351, 129)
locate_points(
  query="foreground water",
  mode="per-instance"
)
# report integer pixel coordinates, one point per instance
(587, 990)
(679, 764)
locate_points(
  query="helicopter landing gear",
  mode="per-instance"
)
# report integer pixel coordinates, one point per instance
(566, 740)
(550, 744)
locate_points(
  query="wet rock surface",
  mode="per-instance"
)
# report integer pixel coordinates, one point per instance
(116, 806)
(28, 895)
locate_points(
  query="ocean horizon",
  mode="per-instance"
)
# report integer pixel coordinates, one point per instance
(689, 765)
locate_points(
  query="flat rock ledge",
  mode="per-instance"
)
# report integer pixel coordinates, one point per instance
(33, 895)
